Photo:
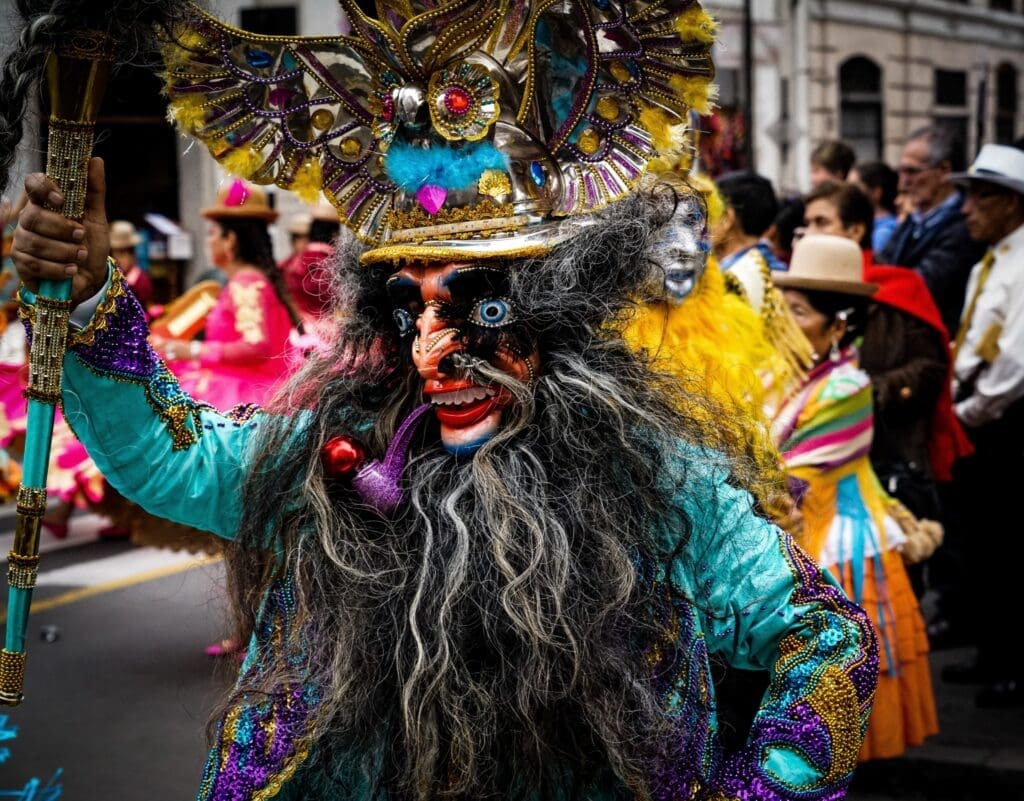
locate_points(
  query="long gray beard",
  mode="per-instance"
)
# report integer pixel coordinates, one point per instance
(494, 626)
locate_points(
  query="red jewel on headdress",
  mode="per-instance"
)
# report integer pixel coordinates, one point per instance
(342, 456)
(387, 108)
(457, 100)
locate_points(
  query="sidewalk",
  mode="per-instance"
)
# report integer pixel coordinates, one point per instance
(978, 754)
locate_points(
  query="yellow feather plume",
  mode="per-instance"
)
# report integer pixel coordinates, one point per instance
(186, 44)
(697, 25)
(308, 182)
(241, 161)
(696, 93)
(187, 113)
(670, 137)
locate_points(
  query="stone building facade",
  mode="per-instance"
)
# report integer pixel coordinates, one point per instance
(871, 71)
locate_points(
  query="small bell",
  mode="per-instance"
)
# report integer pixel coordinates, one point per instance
(342, 456)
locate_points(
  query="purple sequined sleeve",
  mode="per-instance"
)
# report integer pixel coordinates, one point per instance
(807, 734)
(179, 459)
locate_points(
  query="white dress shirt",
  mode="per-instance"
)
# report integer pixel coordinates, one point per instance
(998, 320)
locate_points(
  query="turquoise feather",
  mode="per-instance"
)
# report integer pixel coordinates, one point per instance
(412, 168)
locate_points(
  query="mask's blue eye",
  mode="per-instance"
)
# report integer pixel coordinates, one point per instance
(403, 320)
(491, 312)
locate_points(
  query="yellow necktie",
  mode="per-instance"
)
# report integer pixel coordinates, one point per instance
(965, 321)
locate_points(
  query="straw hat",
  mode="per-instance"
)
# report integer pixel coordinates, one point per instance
(123, 235)
(827, 263)
(241, 200)
(298, 224)
(325, 212)
(1002, 165)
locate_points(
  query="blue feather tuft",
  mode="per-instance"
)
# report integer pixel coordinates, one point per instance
(453, 168)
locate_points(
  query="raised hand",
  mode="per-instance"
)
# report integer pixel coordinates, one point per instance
(48, 246)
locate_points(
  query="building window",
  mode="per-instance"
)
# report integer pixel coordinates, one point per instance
(1006, 104)
(860, 107)
(1001, 5)
(269, 20)
(950, 88)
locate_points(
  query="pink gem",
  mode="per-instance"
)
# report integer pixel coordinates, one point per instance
(432, 197)
(387, 108)
(237, 193)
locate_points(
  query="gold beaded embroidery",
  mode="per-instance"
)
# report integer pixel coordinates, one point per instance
(22, 570)
(31, 501)
(67, 162)
(87, 336)
(248, 312)
(49, 338)
(12, 677)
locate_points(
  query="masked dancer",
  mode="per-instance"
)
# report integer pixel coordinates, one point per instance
(484, 550)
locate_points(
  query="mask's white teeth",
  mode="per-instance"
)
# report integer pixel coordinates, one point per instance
(458, 397)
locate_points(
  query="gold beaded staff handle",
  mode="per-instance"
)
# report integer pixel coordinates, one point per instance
(76, 77)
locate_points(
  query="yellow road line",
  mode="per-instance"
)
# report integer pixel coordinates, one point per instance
(117, 584)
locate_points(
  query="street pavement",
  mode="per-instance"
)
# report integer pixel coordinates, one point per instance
(118, 690)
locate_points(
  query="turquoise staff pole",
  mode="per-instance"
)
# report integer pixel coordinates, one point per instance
(76, 76)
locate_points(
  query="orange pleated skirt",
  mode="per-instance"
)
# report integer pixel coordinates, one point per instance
(904, 712)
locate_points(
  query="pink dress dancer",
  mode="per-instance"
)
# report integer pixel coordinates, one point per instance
(245, 355)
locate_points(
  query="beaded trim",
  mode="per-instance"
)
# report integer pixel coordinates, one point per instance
(114, 345)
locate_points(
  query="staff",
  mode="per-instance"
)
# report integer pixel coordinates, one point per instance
(77, 69)
(76, 78)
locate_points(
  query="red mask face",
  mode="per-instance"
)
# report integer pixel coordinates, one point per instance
(439, 307)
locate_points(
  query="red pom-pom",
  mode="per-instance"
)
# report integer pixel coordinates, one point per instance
(342, 456)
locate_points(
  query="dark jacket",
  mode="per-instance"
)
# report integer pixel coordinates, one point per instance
(943, 254)
(908, 364)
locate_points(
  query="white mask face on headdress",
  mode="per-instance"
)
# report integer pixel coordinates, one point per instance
(682, 251)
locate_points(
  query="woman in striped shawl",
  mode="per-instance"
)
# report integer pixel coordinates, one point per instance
(823, 430)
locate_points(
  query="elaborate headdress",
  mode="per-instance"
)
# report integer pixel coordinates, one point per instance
(468, 128)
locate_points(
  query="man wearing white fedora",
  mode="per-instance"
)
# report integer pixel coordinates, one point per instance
(989, 400)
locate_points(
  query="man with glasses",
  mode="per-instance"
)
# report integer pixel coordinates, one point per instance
(933, 239)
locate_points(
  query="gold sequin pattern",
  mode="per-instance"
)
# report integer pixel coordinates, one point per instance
(107, 307)
(22, 571)
(31, 501)
(12, 677)
(248, 312)
(46, 359)
(67, 162)
(27, 529)
(486, 209)
(834, 699)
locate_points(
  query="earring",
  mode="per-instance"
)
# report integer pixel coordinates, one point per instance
(815, 357)
(834, 353)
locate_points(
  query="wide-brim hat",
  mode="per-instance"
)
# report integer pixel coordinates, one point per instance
(240, 200)
(299, 224)
(1002, 165)
(828, 264)
(325, 212)
(123, 235)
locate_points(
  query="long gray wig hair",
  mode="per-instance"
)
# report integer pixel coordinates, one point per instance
(492, 638)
